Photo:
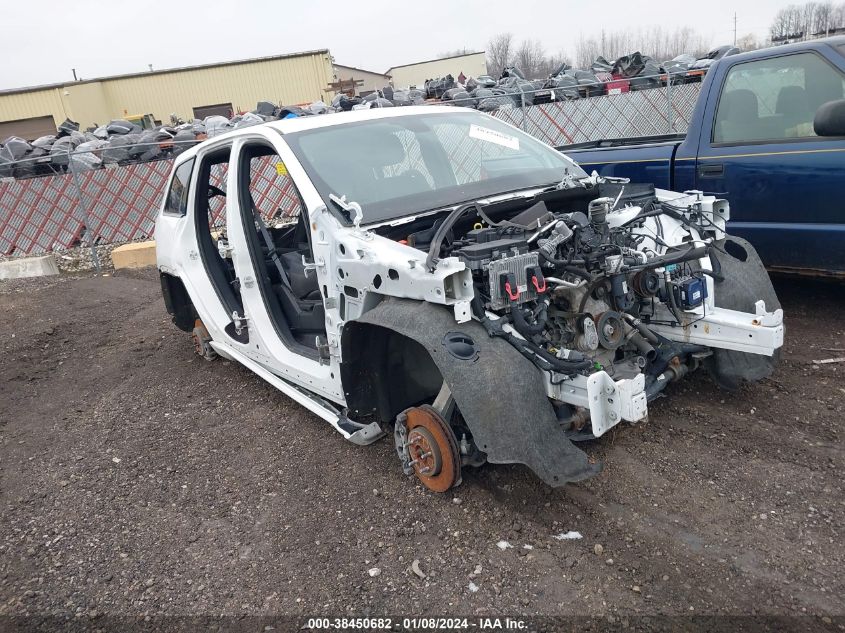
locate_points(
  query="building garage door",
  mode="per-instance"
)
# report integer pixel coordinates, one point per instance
(30, 129)
(221, 109)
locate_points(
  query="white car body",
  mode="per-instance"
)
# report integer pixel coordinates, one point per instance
(355, 257)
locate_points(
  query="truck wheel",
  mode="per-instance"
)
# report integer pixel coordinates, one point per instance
(428, 448)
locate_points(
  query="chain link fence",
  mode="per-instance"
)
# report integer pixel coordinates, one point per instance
(642, 113)
(116, 204)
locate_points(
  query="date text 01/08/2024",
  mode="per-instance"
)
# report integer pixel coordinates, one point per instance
(416, 624)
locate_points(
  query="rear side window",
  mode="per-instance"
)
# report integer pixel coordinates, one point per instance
(775, 99)
(177, 197)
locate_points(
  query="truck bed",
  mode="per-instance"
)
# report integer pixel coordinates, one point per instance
(623, 142)
(642, 159)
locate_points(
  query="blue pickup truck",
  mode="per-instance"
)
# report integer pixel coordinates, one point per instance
(767, 134)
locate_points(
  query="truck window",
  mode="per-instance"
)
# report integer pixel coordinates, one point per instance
(177, 197)
(775, 99)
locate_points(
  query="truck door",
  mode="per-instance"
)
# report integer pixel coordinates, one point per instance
(269, 237)
(785, 184)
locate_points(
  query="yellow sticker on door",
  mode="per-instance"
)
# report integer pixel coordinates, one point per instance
(281, 170)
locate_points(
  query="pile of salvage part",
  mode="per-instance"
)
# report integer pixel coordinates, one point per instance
(120, 142)
(124, 142)
(631, 72)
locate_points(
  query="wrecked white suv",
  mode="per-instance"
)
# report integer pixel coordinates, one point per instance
(438, 275)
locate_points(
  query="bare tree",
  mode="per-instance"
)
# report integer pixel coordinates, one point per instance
(838, 17)
(499, 53)
(530, 59)
(455, 52)
(586, 50)
(749, 42)
(824, 17)
(655, 42)
(802, 21)
(781, 24)
(551, 64)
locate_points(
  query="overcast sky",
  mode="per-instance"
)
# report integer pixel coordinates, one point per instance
(43, 39)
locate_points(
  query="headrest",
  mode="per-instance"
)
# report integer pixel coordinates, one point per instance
(369, 147)
(792, 100)
(740, 105)
(381, 149)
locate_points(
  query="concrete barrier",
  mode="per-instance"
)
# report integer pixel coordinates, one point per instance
(29, 267)
(137, 255)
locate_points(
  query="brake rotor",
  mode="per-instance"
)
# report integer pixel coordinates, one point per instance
(202, 341)
(433, 449)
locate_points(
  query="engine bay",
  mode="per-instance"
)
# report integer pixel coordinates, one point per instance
(586, 279)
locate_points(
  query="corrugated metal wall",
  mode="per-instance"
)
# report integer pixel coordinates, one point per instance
(471, 65)
(372, 81)
(86, 103)
(288, 80)
(36, 103)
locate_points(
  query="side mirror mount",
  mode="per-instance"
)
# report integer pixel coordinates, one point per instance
(830, 119)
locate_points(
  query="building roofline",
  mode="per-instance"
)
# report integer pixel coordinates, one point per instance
(163, 71)
(363, 70)
(436, 59)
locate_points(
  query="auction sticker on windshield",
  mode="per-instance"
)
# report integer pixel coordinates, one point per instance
(492, 136)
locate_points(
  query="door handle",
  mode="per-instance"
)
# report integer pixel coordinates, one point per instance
(711, 170)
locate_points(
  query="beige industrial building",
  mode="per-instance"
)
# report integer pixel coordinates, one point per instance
(194, 91)
(364, 81)
(414, 75)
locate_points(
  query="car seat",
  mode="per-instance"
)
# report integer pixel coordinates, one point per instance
(300, 298)
(738, 117)
(385, 155)
(793, 107)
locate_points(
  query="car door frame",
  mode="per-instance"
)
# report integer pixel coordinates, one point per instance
(183, 257)
(269, 348)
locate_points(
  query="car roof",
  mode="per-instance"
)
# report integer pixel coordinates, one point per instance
(298, 124)
(353, 116)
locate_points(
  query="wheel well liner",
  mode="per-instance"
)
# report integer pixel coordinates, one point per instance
(499, 392)
(178, 302)
(743, 281)
(385, 372)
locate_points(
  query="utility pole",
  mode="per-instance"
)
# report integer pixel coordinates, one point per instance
(734, 28)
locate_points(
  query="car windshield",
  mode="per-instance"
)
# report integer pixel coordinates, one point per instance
(399, 166)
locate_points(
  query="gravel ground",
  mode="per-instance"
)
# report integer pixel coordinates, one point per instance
(139, 480)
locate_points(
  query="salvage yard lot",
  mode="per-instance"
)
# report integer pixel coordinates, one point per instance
(139, 479)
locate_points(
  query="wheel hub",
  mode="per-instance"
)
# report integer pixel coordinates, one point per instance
(424, 452)
(432, 449)
(202, 341)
